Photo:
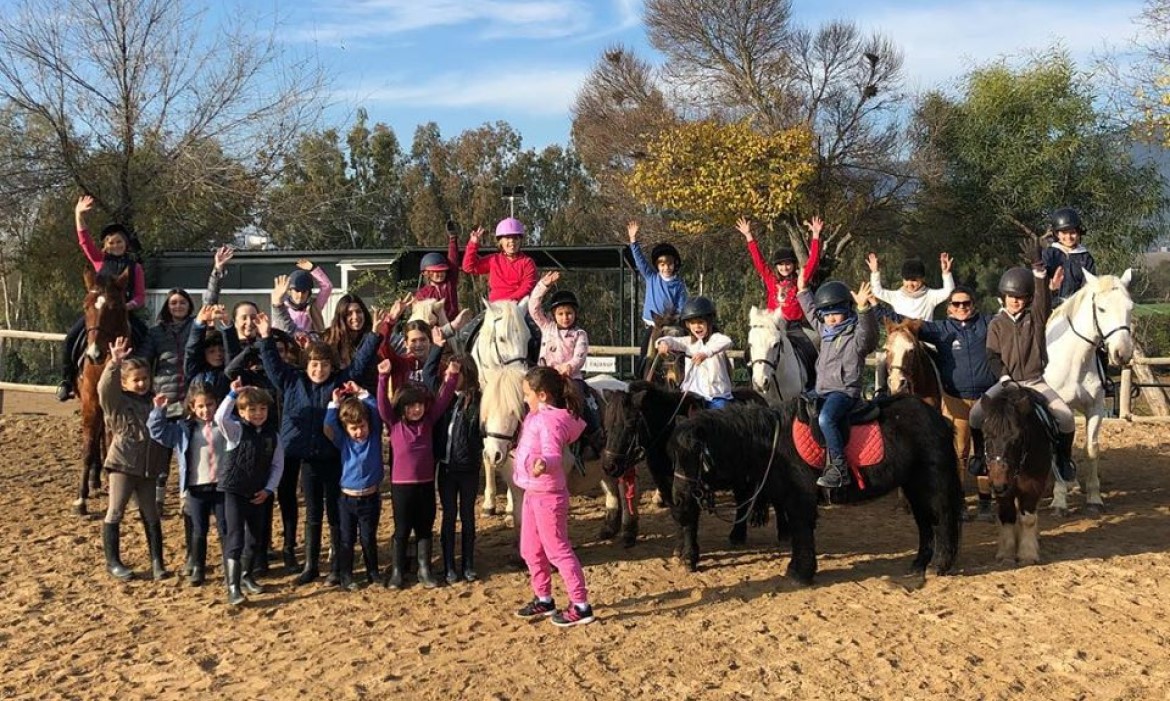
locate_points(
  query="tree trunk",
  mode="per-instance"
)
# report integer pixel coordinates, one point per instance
(1155, 397)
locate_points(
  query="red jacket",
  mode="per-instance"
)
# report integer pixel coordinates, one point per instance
(775, 287)
(448, 289)
(508, 278)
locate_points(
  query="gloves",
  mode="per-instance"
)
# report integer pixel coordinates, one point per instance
(1032, 254)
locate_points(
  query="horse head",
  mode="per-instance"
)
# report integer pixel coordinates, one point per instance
(1112, 308)
(767, 336)
(904, 354)
(430, 311)
(105, 312)
(665, 325)
(619, 422)
(1007, 439)
(503, 338)
(500, 411)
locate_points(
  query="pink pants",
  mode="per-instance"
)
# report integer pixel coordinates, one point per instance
(544, 540)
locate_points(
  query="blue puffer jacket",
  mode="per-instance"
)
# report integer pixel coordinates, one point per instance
(962, 352)
(305, 402)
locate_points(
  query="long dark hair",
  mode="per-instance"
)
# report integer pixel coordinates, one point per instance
(468, 380)
(164, 314)
(562, 392)
(338, 334)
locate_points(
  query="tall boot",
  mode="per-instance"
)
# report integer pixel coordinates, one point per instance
(189, 539)
(469, 574)
(447, 544)
(154, 540)
(425, 577)
(1064, 461)
(111, 544)
(234, 575)
(398, 566)
(289, 550)
(198, 555)
(371, 558)
(977, 464)
(344, 560)
(247, 580)
(160, 498)
(334, 576)
(312, 554)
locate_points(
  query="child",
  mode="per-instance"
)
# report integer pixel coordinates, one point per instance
(306, 394)
(459, 448)
(353, 424)
(563, 345)
(538, 468)
(201, 451)
(710, 380)
(914, 299)
(780, 284)
(203, 358)
(410, 421)
(511, 273)
(848, 335)
(441, 275)
(1067, 253)
(424, 350)
(1016, 351)
(251, 470)
(111, 260)
(133, 460)
(665, 291)
(295, 293)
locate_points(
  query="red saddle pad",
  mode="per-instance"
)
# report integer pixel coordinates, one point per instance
(864, 448)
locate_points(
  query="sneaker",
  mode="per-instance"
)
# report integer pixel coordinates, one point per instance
(536, 607)
(573, 616)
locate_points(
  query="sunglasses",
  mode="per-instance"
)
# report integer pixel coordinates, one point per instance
(962, 305)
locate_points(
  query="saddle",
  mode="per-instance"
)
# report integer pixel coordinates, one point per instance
(864, 445)
(1047, 419)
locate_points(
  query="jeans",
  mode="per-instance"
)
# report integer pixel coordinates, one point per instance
(414, 509)
(457, 492)
(718, 402)
(359, 518)
(835, 408)
(239, 511)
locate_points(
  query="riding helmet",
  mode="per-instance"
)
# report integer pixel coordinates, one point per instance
(785, 255)
(698, 308)
(833, 293)
(1018, 282)
(509, 227)
(300, 281)
(665, 249)
(433, 262)
(561, 298)
(1064, 219)
(913, 269)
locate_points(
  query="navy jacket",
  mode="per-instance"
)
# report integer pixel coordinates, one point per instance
(1074, 262)
(305, 402)
(962, 352)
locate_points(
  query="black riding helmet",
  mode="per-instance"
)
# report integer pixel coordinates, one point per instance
(1018, 282)
(561, 298)
(784, 255)
(833, 293)
(698, 308)
(1064, 219)
(433, 262)
(913, 269)
(666, 249)
(300, 280)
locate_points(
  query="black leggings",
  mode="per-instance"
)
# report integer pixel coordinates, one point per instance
(457, 492)
(414, 509)
(286, 494)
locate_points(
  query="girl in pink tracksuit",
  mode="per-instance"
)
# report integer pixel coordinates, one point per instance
(552, 423)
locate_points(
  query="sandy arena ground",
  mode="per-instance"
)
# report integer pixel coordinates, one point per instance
(1089, 623)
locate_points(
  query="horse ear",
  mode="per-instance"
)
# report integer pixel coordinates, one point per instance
(914, 325)
(778, 317)
(1126, 277)
(888, 324)
(638, 398)
(656, 318)
(1090, 279)
(488, 305)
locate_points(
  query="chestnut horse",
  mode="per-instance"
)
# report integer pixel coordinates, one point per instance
(106, 319)
(665, 369)
(909, 367)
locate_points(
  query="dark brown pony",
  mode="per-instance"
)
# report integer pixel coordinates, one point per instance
(105, 320)
(909, 368)
(1019, 462)
(664, 369)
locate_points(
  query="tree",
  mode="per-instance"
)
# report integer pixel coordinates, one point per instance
(160, 94)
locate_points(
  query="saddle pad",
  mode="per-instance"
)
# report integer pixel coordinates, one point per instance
(864, 448)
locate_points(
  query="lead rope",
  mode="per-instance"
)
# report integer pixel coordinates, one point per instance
(751, 502)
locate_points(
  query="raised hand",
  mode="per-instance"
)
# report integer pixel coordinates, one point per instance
(744, 227)
(279, 289)
(437, 336)
(84, 204)
(222, 255)
(632, 230)
(475, 234)
(120, 349)
(461, 319)
(263, 324)
(453, 368)
(815, 225)
(384, 367)
(550, 278)
(160, 401)
(1030, 250)
(206, 315)
(305, 264)
(945, 262)
(1057, 279)
(400, 306)
(872, 261)
(861, 296)
(352, 387)
(338, 394)
(237, 385)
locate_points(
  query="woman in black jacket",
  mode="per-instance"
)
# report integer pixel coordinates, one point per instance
(459, 450)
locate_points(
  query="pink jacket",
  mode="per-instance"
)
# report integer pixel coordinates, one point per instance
(93, 253)
(545, 434)
(302, 319)
(558, 346)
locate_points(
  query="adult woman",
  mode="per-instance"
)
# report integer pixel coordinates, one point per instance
(351, 322)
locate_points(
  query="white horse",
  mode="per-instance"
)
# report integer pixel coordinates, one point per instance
(1098, 312)
(430, 311)
(776, 372)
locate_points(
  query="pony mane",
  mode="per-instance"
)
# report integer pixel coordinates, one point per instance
(1072, 305)
(1006, 413)
(503, 393)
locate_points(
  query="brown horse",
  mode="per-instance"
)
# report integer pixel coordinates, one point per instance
(106, 319)
(664, 369)
(908, 364)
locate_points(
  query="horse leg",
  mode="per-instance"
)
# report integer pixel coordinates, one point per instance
(1094, 504)
(1060, 498)
(90, 467)
(801, 515)
(657, 499)
(628, 494)
(1005, 552)
(919, 502)
(1028, 545)
(613, 509)
(782, 528)
(738, 535)
(488, 508)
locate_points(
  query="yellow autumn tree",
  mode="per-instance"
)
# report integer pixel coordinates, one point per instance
(706, 174)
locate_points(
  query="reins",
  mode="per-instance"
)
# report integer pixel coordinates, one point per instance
(701, 494)
(1102, 336)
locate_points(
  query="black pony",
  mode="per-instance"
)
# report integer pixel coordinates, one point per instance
(638, 424)
(733, 447)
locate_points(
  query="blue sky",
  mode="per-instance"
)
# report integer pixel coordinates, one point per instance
(461, 63)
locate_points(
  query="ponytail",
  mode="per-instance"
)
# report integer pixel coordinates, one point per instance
(562, 393)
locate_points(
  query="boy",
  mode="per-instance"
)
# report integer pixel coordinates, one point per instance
(913, 299)
(665, 291)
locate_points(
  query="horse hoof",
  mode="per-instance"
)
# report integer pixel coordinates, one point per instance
(606, 533)
(79, 508)
(1027, 561)
(1095, 510)
(1006, 561)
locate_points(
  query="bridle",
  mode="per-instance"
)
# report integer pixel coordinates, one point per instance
(705, 498)
(1101, 336)
(522, 358)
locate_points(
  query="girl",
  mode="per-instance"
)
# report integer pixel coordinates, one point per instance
(710, 380)
(423, 350)
(200, 450)
(511, 273)
(243, 332)
(251, 470)
(1067, 253)
(847, 337)
(203, 358)
(665, 291)
(780, 283)
(441, 275)
(410, 420)
(564, 346)
(351, 323)
(110, 261)
(459, 448)
(551, 425)
(133, 460)
(295, 293)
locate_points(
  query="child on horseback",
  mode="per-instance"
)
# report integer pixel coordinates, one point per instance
(665, 292)
(1017, 352)
(441, 275)
(459, 449)
(249, 477)
(848, 331)
(913, 299)
(511, 273)
(564, 346)
(133, 460)
(111, 260)
(707, 371)
(780, 281)
(410, 422)
(353, 424)
(553, 422)
(201, 451)
(295, 293)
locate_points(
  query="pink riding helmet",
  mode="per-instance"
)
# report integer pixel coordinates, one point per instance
(509, 227)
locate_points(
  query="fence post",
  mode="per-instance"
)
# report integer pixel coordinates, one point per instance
(3, 364)
(1125, 411)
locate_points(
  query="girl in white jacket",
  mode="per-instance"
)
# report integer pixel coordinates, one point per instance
(707, 371)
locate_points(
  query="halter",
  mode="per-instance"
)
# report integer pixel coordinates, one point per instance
(1102, 336)
(511, 438)
(701, 494)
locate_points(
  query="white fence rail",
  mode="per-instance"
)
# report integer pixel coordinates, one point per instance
(6, 334)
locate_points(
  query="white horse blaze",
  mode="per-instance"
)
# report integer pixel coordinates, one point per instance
(99, 302)
(1028, 547)
(779, 379)
(898, 345)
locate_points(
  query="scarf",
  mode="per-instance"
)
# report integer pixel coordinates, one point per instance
(830, 333)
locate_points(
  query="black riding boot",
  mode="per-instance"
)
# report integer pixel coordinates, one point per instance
(198, 555)
(345, 571)
(469, 574)
(977, 464)
(398, 566)
(154, 540)
(68, 387)
(1064, 461)
(371, 558)
(234, 575)
(425, 577)
(312, 554)
(248, 580)
(111, 544)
